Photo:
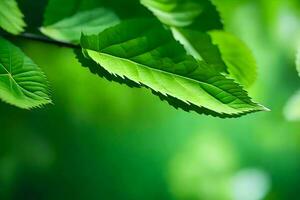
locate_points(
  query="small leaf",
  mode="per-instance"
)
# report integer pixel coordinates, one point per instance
(87, 22)
(146, 53)
(238, 58)
(22, 83)
(11, 18)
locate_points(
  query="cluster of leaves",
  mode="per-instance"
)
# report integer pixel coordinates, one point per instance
(176, 48)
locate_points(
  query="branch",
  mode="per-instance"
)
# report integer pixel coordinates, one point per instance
(41, 38)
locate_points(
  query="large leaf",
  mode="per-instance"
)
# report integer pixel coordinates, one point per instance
(146, 53)
(11, 18)
(87, 22)
(22, 83)
(236, 57)
(239, 59)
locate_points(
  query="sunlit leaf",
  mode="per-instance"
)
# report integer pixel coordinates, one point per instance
(59, 9)
(146, 53)
(238, 58)
(86, 22)
(11, 18)
(298, 61)
(174, 12)
(22, 83)
(200, 46)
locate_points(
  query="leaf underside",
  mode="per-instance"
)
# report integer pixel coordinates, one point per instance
(146, 53)
(22, 83)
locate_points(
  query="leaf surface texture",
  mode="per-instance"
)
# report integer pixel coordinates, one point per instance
(22, 83)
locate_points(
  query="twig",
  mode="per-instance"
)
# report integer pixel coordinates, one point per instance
(41, 38)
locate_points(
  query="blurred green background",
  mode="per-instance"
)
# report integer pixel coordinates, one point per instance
(102, 140)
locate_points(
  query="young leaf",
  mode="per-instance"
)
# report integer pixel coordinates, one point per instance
(22, 83)
(87, 22)
(238, 58)
(146, 53)
(11, 18)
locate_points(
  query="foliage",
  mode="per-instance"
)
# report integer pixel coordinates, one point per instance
(11, 18)
(190, 62)
(22, 82)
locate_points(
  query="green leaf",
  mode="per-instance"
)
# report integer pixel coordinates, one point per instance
(33, 19)
(87, 22)
(22, 83)
(174, 12)
(209, 19)
(60, 9)
(11, 18)
(199, 15)
(146, 53)
(200, 46)
(190, 33)
(238, 58)
(292, 111)
(95, 68)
